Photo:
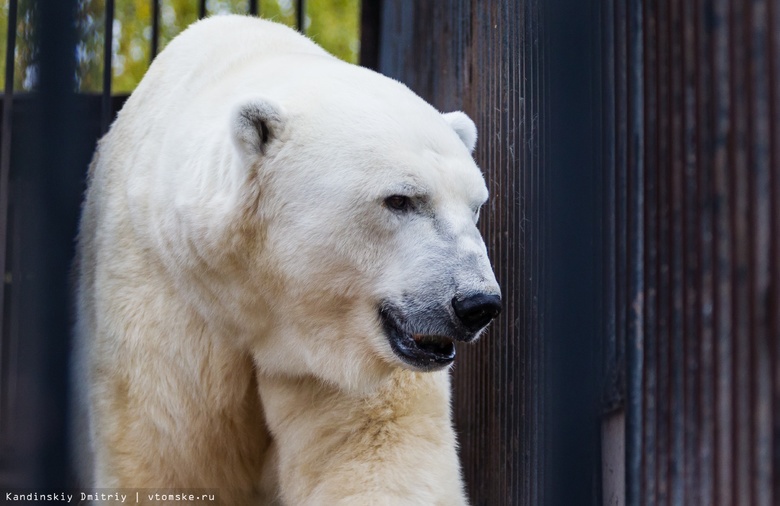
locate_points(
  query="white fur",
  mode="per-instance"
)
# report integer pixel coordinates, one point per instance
(464, 127)
(234, 249)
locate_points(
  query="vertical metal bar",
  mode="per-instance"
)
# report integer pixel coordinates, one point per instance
(108, 44)
(692, 437)
(47, 235)
(532, 68)
(723, 247)
(675, 464)
(5, 154)
(663, 258)
(5, 177)
(253, 8)
(540, 67)
(612, 395)
(740, 170)
(572, 335)
(651, 359)
(300, 15)
(370, 33)
(201, 9)
(155, 29)
(759, 197)
(773, 15)
(705, 125)
(620, 214)
(635, 346)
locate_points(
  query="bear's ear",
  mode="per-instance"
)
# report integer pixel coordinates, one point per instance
(464, 127)
(255, 123)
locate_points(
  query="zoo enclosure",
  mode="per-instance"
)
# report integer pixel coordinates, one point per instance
(631, 150)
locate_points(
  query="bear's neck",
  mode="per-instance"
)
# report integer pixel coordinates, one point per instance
(322, 431)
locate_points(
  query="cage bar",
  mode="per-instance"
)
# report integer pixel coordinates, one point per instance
(300, 15)
(155, 47)
(108, 50)
(5, 171)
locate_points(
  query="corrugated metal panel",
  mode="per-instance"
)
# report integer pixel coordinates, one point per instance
(702, 230)
(525, 395)
(485, 58)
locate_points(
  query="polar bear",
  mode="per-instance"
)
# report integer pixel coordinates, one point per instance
(276, 255)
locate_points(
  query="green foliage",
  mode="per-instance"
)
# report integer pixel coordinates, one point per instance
(25, 70)
(334, 24)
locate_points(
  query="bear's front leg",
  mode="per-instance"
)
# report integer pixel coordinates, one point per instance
(395, 446)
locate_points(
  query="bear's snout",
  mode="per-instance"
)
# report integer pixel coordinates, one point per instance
(423, 335)
(476, 310)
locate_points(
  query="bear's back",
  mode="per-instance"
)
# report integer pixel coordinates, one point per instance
(200, 59)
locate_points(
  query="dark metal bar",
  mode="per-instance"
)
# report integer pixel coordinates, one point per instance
(636, 272)
(108, 43)
(253, 7)
(155, 29)
(300, 15)
(621, 209)
(676, 258)
(370, 33)
(705, 164)
(705, 126)
(663, 259)
(693, 435)
(758, 40)
(652, 306)
(723, 251)
(773, 16)
(612, 396)
(572, 338)
(533, 474)
(202, 9)
(739, 169)
(5, 176)
(47, 244)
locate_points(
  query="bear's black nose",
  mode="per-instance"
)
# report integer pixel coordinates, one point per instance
(477, 309)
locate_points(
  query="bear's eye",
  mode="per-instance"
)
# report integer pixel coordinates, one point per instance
(399, 202)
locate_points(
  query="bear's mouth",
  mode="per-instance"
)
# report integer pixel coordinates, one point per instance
(427, 352)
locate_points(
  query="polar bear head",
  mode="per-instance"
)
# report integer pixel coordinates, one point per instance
(364, 207)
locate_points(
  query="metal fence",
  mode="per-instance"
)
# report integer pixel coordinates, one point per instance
(47, 141)
(631, 147)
